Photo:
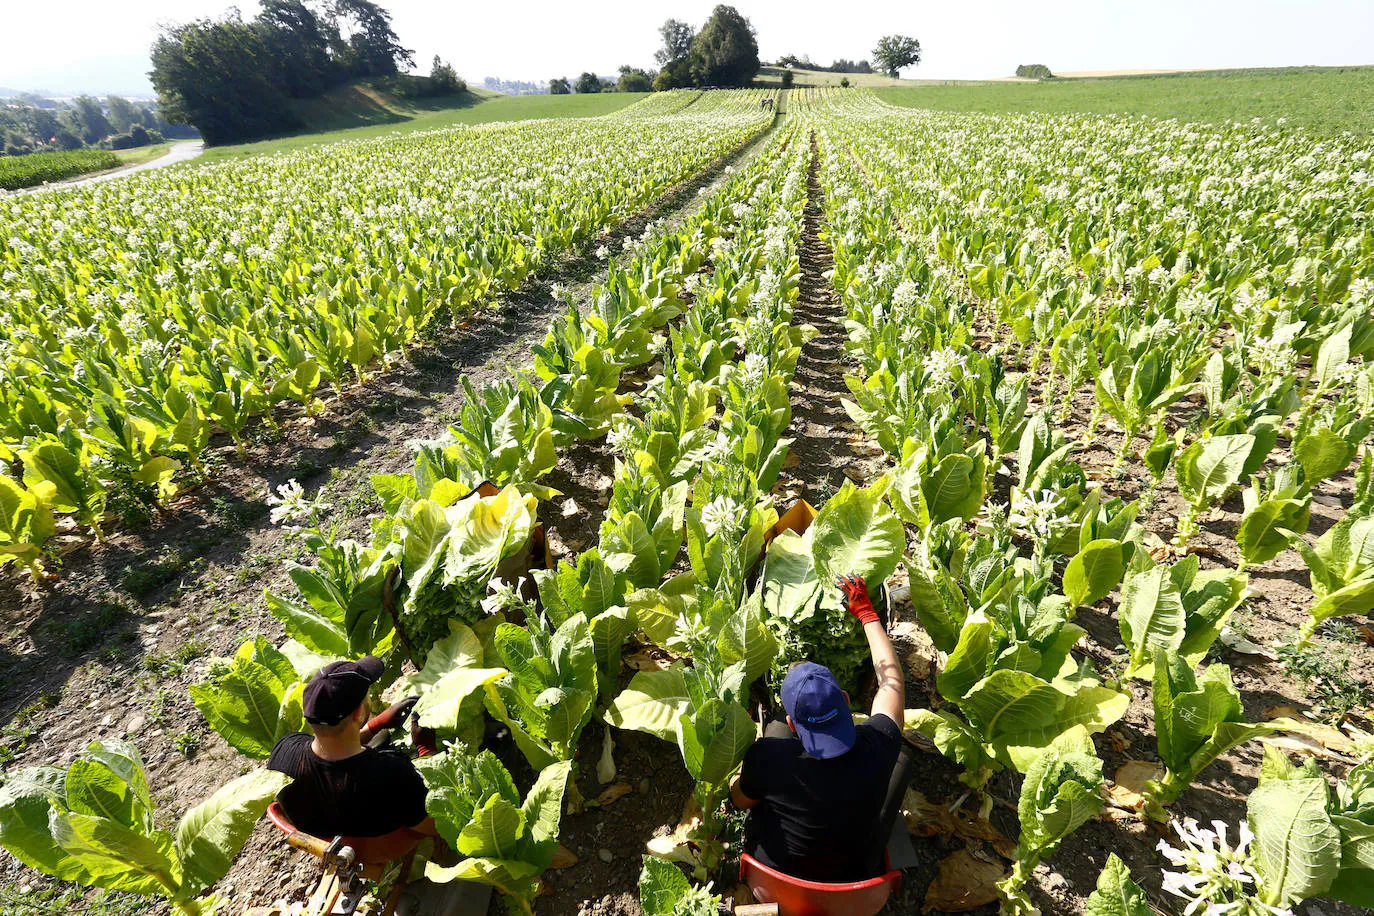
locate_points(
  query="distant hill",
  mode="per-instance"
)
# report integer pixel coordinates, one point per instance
(372, 103)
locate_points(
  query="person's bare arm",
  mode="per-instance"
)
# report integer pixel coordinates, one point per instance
(742, 802)
(890, 700)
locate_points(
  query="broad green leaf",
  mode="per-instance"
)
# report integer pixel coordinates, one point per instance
(1209, 467)
(856, 533)
(211, 834)
(114, 856)
(1094, 572)
(25, 804)
(1117, 894)
(653, 702)
(1297, 848)
(494, 832)
(543, 809)
(1151, 614)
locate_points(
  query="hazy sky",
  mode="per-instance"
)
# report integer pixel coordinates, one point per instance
(101, 46)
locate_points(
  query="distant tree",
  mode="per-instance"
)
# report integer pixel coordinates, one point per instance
(362, 39)
(675, 75)
(41, 125)
(444, 78)
(632, 79)
(725, 51)
(122, 114)
(297, 48)
(86, 118)
(677, 42)
(588, 82)
(844, 82)
(65, 139)
(788, 78)
(1034, 72)
(559, 86)
(139, 134)
(895, 52)
(214, 75)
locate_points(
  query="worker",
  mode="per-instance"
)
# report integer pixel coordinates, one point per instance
(342, 786)
(814, 787)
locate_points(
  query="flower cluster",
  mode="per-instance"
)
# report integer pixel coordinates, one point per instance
(1217, 877)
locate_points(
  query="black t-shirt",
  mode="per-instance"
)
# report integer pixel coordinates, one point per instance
(368, 794)
(815, 818)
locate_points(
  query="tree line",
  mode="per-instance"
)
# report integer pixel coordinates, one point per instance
(725, 53)
(33, 124)
(236, 80)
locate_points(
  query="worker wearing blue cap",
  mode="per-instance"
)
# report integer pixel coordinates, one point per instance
(814, 788)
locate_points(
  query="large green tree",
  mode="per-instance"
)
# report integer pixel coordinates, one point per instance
(895, 52)
(363, 40)
(297, 48)
(560, 86)
(588, 82)
(725, 51)
(677, 41)
(214, 74)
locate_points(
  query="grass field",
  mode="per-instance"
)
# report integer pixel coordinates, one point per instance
(359, 115)
(1325, 100)
(772, 76)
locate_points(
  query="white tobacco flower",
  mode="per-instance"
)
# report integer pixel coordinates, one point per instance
(942, 365)
(1036, 516)
(720, 514)
(1217, 877)
(289, 503)
(503, 596)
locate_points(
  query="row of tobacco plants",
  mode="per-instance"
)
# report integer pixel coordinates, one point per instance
(1211, 292)
(144, 317)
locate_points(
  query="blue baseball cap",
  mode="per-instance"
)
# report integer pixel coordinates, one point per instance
(819, 710)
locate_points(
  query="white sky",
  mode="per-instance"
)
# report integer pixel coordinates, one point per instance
(96, 45)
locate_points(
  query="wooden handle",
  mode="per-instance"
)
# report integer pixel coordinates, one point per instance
(757, 909)
(307, 843)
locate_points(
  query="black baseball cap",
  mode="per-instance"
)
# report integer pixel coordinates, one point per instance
(338, 688)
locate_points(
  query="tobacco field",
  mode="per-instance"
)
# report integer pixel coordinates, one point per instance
(1087, 398)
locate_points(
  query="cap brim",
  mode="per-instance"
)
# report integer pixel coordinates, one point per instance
(825, 743)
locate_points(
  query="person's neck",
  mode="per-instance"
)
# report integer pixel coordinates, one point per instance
(337, 747)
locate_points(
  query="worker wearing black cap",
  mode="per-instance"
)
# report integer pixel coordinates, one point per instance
(341, 786)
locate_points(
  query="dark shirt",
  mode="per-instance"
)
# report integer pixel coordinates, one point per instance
(368, 794)
(815, 818)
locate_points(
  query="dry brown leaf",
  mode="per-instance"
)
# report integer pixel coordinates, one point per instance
(791, 461)
(614, 793)
(563, 857)
(667, 846)
(1324, 735)
(1120, 741)
(856, 473)
(1127, 789)
(965, 881)
(1366, 634)
(649, 660)
(924, 818)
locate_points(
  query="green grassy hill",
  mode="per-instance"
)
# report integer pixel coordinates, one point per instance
(1323, 100)
(360, 111)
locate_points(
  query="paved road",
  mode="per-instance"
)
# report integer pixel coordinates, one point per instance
(183, 151)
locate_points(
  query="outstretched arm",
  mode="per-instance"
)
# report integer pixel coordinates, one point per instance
(890, 699)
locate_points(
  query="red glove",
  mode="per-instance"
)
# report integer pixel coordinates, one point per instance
(392, 716)
(856, 600)
(424, 739)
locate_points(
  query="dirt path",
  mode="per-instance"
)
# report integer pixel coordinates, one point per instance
(109, 649)
(827, 446)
